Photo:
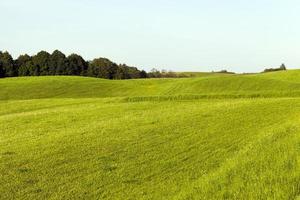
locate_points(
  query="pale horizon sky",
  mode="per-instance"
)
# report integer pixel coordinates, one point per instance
(191, 35)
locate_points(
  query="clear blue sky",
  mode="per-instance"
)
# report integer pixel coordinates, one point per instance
(191, 35)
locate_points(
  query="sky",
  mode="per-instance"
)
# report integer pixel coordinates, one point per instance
(178, 35)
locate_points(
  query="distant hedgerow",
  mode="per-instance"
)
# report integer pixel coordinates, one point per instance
(281, 68)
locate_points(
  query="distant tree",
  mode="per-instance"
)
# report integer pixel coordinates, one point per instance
(29, 69)
(282, 67)
(1, 71)
(170, 74)
(23, 70)
(143, 74)
(22, 60)
(102, 68)
(131, 72)
(76, 65)
(8, 66)
(121, 73)
(224, 71)
(58, 63)
(41, 61)
(154, 73)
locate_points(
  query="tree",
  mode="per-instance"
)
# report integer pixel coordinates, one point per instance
(121, 73)
(22, 60)
(29, 69)
(154, 73)
(8, 67)
(58, 63)
(22, 64)
(41, 61)
(102, 68)
(23, 70)
(1, 71)
(126, 72)
(282, 67)
(133, 72)
(76, 65)
(143, 74)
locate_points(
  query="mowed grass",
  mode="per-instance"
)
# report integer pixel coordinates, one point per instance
(194, 138)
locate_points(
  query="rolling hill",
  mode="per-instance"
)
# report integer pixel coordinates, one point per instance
(282, 84)
(214, 136)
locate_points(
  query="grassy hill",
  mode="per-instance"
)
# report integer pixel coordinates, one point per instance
(284, 84)
(208, 137)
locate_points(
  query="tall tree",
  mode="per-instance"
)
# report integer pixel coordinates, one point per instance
(23, 62)
(102, 68)
(41, 61)
(29, 69)
(57, 63)
(133, 72)
(154, 73)
(126, 72)
(282, 67)
(7, 63)
(143, 74)
(1, 71)
(76, 65)
(121, 73)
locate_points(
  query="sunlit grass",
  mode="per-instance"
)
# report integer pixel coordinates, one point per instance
(138, 143)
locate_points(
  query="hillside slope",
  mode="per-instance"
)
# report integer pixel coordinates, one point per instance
(87, 138)
(286, 84)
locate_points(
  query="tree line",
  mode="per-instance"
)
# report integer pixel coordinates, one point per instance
(57, 63)
(281, 68)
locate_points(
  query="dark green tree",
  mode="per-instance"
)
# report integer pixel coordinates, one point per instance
(29, 69)
(154, 73)
(143, 74)
(126, 72)
(8, 65)
(22, 60)
(102, 68)
(133, 72)
(121, 73)
(24, 70)
(41, 61)
(1, 71)
(76, 65)
(58, 63)
(282, 67)
(21, 63)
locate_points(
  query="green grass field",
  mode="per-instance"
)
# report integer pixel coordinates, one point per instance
(207, 137)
